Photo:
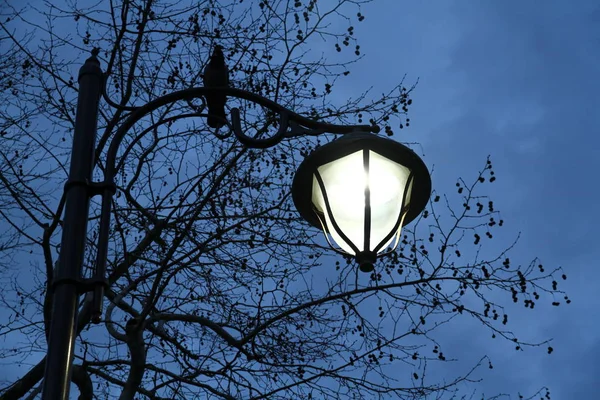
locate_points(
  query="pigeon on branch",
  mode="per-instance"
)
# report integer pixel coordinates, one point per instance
(216, 74)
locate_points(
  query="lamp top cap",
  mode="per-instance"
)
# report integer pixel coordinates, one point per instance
(91, 65)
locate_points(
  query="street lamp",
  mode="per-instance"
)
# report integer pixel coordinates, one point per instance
(67, 284)
(360, 190)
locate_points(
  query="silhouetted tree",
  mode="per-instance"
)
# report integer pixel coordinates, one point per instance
(217, 288)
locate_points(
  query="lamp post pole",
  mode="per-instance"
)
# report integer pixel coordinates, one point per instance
(65, 287)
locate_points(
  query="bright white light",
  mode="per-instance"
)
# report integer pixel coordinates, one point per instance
(345, 181)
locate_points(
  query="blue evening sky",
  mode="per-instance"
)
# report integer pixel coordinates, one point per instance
(516, 80)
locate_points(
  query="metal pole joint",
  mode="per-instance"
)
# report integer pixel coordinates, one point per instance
(83, 285)
(92, 188)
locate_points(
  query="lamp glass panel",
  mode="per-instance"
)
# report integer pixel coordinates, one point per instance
(387, 180)
(345, 180)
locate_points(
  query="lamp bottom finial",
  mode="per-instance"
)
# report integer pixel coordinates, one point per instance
(366, 261)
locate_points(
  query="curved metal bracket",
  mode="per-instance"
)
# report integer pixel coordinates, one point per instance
(290, 123)
(254, 142)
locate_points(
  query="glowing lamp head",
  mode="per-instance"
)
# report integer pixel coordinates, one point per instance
(360, 190)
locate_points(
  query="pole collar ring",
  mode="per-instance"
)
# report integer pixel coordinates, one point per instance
(93, 188)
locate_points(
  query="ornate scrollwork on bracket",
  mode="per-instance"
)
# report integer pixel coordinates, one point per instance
(290, 123)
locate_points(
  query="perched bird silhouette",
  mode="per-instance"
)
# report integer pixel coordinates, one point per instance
(216, 74)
